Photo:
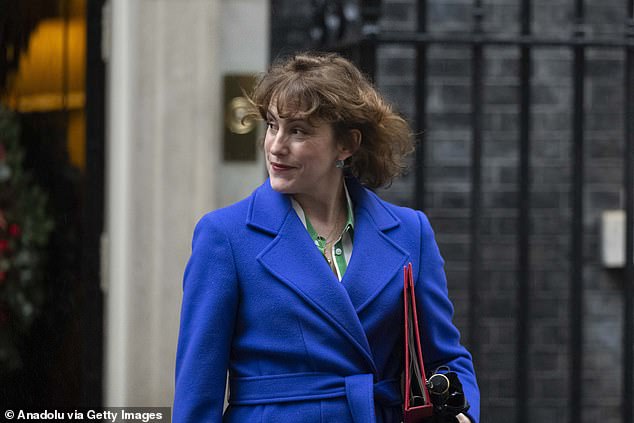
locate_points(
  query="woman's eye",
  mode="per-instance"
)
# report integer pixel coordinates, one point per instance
(271, 126)
(299, 131)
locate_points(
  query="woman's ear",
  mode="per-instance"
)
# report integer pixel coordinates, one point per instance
(352, 144)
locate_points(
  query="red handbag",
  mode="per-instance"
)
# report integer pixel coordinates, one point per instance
(417, 405)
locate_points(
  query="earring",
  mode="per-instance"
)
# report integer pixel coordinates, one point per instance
(340, 164)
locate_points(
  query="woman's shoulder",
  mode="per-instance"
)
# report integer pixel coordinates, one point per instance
(404, 214)
(414, 225)
(411, 220)
(228, 217)
(233, 212)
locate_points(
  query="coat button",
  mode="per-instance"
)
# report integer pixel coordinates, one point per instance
(338, 251)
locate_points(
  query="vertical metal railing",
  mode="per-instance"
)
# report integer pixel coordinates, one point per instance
(628, 321)
(370, 13)
(576, 258)
(523, 221)
(477, 113)
(421, 108)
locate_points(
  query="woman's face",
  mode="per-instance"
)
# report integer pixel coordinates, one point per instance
(301, 154)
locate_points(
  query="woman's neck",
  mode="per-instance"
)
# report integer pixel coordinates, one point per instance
(325, 210)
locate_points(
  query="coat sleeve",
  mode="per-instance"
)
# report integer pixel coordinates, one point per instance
(439, 336)
(210, 298)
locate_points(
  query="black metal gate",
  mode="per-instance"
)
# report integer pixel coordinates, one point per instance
(334, 21)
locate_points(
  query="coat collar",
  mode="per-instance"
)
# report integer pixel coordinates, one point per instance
(368, 201)
(376, 258)
(269, 208)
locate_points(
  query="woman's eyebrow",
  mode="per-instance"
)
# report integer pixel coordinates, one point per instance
(298, 120)
(290, 120)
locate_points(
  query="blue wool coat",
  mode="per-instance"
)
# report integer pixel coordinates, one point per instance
(300, 346)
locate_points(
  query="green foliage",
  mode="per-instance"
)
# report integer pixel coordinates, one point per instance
(25, 228)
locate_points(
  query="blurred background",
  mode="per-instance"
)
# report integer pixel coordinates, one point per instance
(120, 126)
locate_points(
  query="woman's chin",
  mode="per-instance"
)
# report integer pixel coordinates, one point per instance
(281, 186)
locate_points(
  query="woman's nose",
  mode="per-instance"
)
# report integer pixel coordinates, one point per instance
(278, 144)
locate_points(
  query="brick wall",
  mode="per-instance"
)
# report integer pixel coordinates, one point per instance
(447, 196)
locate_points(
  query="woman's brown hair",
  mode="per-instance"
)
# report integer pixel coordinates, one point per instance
(328, 87)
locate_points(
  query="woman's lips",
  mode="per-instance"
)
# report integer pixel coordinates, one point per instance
(279, 167)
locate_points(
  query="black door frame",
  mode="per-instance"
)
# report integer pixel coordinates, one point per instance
(92, 319)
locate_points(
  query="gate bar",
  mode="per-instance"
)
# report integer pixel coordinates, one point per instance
(576, 273)
(523, 263)
(370, 13)
(475, 222)
(405, 37)
(421, 109)
(628, 319)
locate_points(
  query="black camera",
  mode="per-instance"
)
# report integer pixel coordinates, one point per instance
(447, 396)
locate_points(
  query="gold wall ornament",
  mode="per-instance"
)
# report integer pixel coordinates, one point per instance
(235, 114)
(240, 134)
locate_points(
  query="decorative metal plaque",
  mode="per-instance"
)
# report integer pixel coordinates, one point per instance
(240, 134)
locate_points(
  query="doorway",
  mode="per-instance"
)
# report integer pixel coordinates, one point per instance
(51, 100)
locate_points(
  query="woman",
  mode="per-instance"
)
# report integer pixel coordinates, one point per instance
(297, 290)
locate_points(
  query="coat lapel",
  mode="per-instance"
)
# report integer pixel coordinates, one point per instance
(376, 259)
(302, 269)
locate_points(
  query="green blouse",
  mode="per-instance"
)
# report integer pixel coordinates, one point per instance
(341, 249)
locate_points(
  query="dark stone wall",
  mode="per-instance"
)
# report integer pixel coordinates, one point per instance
(447, 196)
